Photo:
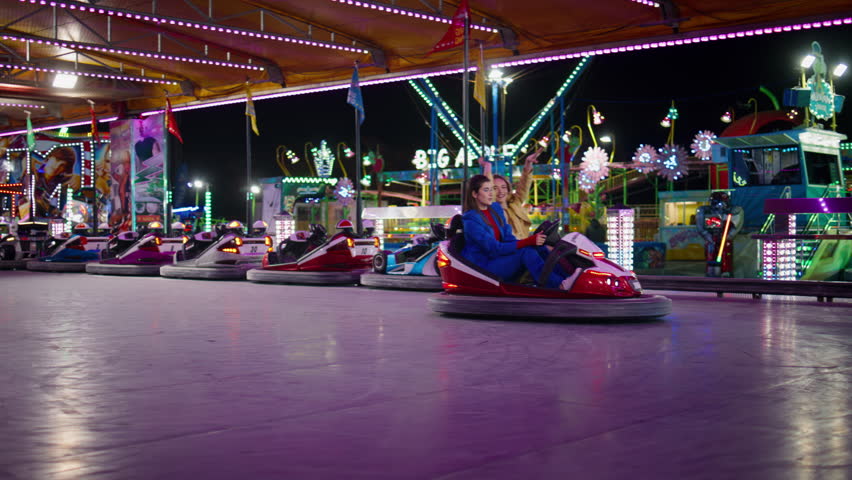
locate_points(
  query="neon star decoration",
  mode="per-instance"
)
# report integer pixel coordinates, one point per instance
(702, 144)
(672, 162)
(595, 164)
(585, 183)
(646, 159)
(344, 191)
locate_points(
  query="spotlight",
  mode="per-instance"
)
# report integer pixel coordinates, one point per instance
(64, 80)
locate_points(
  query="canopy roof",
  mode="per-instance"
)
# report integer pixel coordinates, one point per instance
(130, 54)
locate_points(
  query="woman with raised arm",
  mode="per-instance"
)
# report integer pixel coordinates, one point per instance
(513, 202)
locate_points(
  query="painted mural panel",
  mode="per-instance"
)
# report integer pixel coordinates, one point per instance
(102, 181)
(55, 170)
(148, 159)
(120, 171)
(54, 166)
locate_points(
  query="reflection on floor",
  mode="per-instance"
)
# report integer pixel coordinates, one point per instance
(687, 268)
(143, 378)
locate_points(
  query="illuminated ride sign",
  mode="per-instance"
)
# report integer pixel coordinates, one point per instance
(421, 158)
(822, 99)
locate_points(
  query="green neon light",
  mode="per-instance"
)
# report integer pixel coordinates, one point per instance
(569, 82)
(208, 211)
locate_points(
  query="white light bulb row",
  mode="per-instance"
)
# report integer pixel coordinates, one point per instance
(544, 111)
(211, 27)
(411, 13)
(131, 52)
(108, 76)
(698, 38)
(430, 103)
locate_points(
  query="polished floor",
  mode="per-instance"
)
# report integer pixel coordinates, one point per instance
(153, 378)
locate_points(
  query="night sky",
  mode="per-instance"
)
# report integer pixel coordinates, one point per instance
(633, 91)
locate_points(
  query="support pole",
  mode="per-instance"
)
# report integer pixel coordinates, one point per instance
(357, 174)
(498, 159)
(434, 177)
(167, 201)
(248, 172)
(552, 146)
(465, 101)
(564, 173)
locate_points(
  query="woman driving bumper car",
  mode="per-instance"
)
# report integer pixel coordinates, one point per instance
(490, 244)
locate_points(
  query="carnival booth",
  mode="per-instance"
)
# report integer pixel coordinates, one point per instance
(803, 163)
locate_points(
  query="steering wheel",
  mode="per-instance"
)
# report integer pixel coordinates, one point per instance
(550, 231)
(439, 232)
(318, 232)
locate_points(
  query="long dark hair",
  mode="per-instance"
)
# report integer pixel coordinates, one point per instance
(473, 185)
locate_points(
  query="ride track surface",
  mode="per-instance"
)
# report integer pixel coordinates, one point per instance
(220, 380)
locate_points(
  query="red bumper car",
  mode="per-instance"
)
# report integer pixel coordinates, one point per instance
(339, 260)
(594, 286)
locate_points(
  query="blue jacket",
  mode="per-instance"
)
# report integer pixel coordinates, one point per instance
(480, 246)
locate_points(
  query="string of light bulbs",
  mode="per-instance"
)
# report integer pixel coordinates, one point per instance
(182, 22)
(411, 13)
(110, 76)
(132, 52)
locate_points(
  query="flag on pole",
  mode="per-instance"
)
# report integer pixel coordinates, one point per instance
(95, 135)
(250, 110)
(354, 97)
(455, 35)
(479, 82)
(171, 124)
(30, 134)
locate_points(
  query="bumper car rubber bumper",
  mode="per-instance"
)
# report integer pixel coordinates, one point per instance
(304, 278)
(127, 270)
(644, 307)
(13, 264)
(203, 273)
(426, 283)
(69, 267)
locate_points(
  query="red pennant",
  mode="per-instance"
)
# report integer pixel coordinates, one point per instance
(95, 135)
(378, 164)
(171, 124)
(455, 35)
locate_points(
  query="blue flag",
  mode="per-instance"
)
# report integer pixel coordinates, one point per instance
(354, 98)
